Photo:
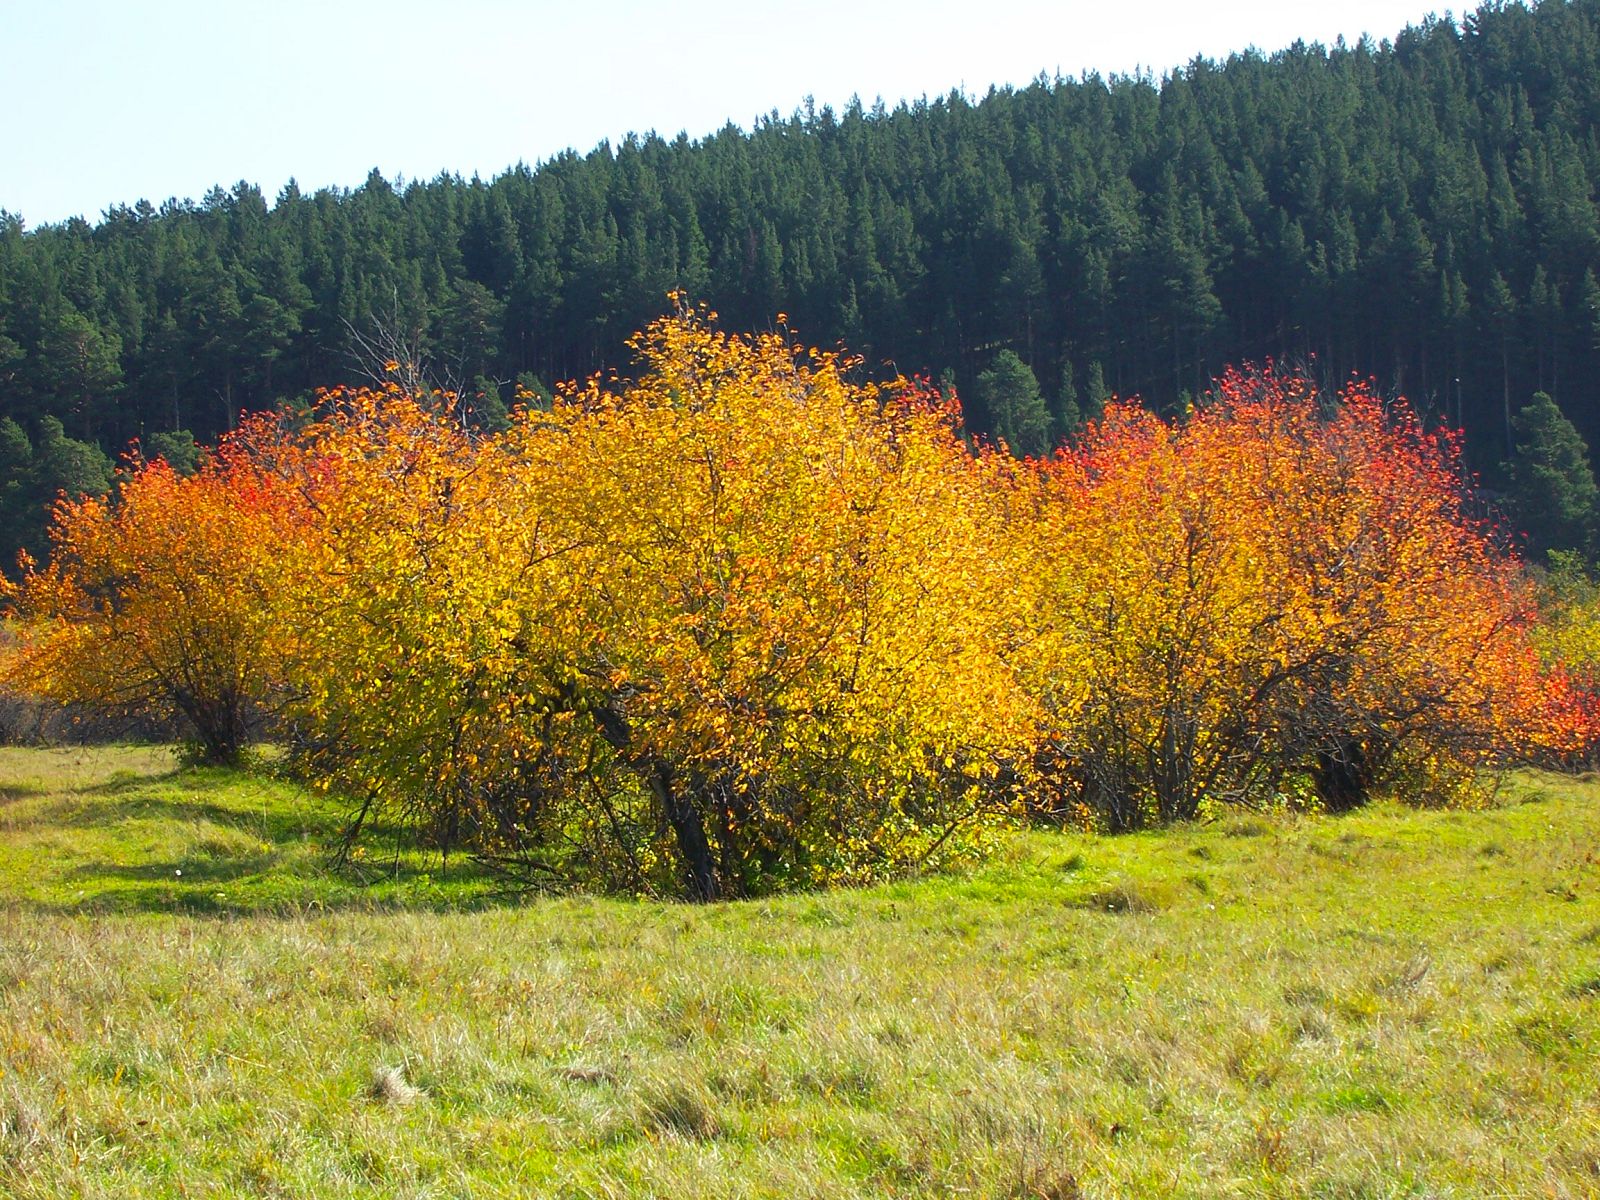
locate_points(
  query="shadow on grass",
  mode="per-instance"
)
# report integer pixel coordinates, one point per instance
(281, 901)
(260, 884)
(270, 822)
(286, 869)
(125, 781)
(191, 872)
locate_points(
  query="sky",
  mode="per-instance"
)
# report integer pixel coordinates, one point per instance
(111, 102)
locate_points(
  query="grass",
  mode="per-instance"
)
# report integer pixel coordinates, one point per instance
(124, 830)
(1390, 1004)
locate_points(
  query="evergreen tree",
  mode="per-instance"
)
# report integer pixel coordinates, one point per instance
(1096, 394)
(1009, 394)
(34, 474)
(1066, 414)
(485, 408)
(1552, 489)
(65, 466)
(18, 521)
(177, 448)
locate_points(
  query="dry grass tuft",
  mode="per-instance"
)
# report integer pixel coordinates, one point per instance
(1409, 976)
(389, 1086)
(22, 1126)
(585, 1073)
(1129, 898)
(681, 1107)
(1047, 1183)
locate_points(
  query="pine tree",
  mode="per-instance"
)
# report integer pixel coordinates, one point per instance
(1066, 415)
(1097, 394)
(1009, 393)
(1552, 486)
(177, 449)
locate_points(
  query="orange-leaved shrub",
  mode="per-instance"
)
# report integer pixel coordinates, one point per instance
(164, 598)
(1276, 597)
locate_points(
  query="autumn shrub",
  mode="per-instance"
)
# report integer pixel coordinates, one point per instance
(1276, 597)
(734, 626)
(1421, 659)
(748, 623)
(400, 687)
(1568, 637)
(162, 600)
(1151, 614)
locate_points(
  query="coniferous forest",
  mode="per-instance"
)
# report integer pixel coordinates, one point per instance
(1420, 211)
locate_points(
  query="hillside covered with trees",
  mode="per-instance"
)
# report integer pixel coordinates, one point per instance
(1420, 211)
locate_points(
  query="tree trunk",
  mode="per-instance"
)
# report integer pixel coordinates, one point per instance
(219, 725)
(690, 830)
(1342, 776)
(687, 824)
(1505, 378)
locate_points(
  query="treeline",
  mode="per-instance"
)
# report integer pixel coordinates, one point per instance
(744, 624)
(1421, 211)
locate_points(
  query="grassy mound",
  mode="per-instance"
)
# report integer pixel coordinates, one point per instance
(1394, 1003)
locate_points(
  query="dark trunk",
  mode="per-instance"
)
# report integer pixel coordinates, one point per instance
(1505, 377)
(1343, 776)
(690, 830)
(687, 824)
(219, 726)
(1116, 801)
(1173, 770)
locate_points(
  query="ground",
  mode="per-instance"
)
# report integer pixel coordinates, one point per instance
(192, 1003)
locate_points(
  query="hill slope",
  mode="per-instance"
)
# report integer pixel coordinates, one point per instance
(1423, 211)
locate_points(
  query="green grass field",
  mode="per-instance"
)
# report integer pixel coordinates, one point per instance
(193, 1004)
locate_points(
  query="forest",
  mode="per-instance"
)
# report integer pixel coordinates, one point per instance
(1419, 211)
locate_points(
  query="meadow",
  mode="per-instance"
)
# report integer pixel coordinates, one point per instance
(194, 1003)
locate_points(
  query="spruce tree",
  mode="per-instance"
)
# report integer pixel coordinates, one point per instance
(177, 448)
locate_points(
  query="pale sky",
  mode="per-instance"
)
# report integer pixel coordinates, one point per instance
(113, 101)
